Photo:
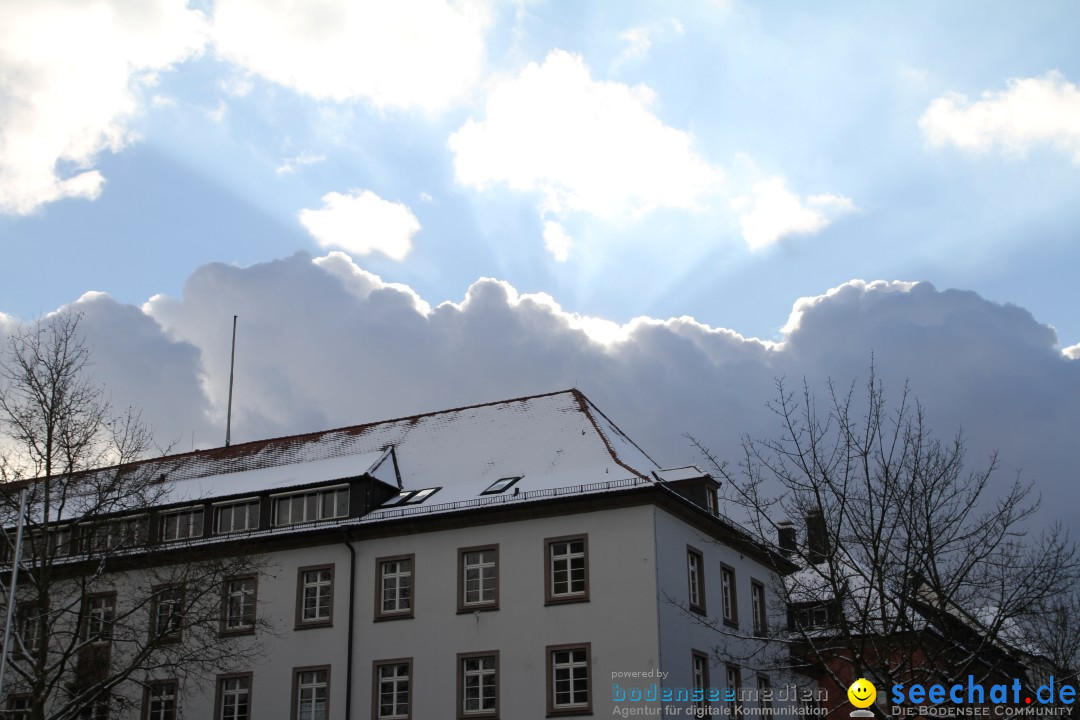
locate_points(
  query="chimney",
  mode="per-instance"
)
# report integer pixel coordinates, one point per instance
(785, 537)
(817, 540)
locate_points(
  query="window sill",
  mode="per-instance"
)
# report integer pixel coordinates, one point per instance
(230, 632)
(394, 616)
(732, 623)
(696, 609)
(314, 624)
(566, 599)
(569, 712)
(468, 610)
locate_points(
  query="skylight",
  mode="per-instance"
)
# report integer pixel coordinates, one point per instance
(500, 485)
(411, 497)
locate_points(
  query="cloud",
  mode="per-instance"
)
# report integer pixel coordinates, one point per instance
(324, 343)
(1032, 111)
(639, 40)
(1072, 352)
(362, 223)
(775, 212)
(291, 165)
(581, 144)
(556, 241)
(399, 55)
(74, 76)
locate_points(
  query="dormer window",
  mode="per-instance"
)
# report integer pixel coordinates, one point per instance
(311, 506)
(501, 485)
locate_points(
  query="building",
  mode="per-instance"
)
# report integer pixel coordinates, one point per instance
(518, 559)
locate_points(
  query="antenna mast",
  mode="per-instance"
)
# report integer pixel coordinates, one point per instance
(232, 365)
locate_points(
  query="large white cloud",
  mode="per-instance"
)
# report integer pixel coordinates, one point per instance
(582, 144)
(361, 222)
(1032, 111)
(598, 147)
(72, 76)
(405, 54)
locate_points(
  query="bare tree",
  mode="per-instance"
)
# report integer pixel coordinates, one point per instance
(913, 568)
(101, 609)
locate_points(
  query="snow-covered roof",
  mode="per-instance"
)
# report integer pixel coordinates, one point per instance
(686, 472)
(550, 441)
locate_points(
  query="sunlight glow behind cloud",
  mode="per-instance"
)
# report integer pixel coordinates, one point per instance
(776, 212)
(72, 77)
(420, 53)
(582, 144)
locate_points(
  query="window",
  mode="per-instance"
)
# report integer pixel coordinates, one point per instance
(727, 595)
(478, 684)
(569, 681)
(311, 506)
(166, 614)
(478, 578)
(394, 587)
(115, 534)
(98, 613)
(695, 575)
(567, 569)
(501, 485)
(711, 502)
(62, 541)
(392, 694)
(18, 707)
(764, 695)
(233, 697)
(236, 517)
(311, 693)
(411, 497)
(315, 596)
(757, 605)
(181, 525)
(700, 674)
(160, 701)
(238, 605)
(734, 682)
(98, 709)
(809, 616)
(28, 617)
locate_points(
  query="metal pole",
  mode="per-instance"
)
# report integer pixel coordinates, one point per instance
(232, 364)
(11, 592)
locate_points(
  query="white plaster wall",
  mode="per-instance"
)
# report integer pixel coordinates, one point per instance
(680, 634)
(620, 619)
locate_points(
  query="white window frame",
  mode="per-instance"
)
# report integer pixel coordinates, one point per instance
(313, 578)
(242, 598)
(486, 592)
(478, 682)
(728, 598)
(566, 579)
(166, 695)
(189, 524)
(395, 576)
(280, 517)
(231, 507)
(312, 693)
(569, 664)
(234, 697)
(394, 684)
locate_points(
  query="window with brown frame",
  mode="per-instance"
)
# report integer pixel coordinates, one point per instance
(160, 700)
(566, 569)
(478, 578)
(699, 668)
(99, 611)
(98, 709)
(478, 684)
(757, 605)
(394, 587)
(734, 682)
(569, 679)
(765, 695)
(28, 619)
(233, 700)
(18, 707)
(166, 613)
(391, 693)
(315, 596)
(238, 605)
(311, 693)
(695, 578)
(728, 600)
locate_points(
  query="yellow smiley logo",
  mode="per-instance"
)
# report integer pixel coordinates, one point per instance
(862, 693)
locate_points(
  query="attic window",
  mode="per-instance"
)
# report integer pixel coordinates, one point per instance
(500, 485)
(411, 497)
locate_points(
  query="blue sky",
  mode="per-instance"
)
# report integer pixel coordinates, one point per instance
(420, 205)
(774, 103)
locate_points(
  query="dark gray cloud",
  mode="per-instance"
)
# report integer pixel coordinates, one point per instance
(323, 343)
